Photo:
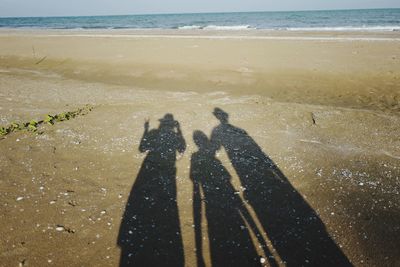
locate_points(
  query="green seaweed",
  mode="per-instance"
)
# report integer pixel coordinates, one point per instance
(63, 116)
(33, 125)
(3, 131)
(15, 126)
(49, 119)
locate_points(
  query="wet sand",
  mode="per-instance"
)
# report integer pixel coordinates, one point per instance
(324, 107)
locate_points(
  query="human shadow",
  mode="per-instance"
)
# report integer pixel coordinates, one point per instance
(150, 232)
(294, 228)
(228, 220)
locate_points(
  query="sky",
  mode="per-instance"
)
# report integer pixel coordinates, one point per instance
(19, 8)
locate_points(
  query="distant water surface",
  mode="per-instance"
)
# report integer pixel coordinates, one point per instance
(340, 20)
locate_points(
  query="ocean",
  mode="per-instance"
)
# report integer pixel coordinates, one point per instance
(340, 20)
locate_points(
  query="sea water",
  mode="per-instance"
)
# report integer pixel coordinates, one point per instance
(334, 20)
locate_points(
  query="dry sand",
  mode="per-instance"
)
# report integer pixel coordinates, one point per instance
(323, 106)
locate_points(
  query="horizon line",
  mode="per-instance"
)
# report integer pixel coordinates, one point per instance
(195, 13)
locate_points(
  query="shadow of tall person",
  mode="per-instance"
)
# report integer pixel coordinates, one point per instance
(150, 232)
(295, 230)
(227, 218)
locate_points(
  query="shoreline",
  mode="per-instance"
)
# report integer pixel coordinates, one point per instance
(210, 34)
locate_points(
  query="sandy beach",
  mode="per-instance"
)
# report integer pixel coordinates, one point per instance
(323, 108)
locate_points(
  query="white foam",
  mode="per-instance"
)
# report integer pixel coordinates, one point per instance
(191, 27)
(227, 28)
(216, 27)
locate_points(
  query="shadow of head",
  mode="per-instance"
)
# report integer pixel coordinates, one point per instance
(168, 121)
(200, 139)
(221, 115)
(203, 143)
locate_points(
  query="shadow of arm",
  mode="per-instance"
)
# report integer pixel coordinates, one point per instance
(145, 142)
(181, 143)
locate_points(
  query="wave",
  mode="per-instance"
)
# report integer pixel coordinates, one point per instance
(229, 28)
(190, 27)
(216, 27)
(393, 28)
(248, 27)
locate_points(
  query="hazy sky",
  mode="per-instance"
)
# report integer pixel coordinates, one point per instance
(10, 8)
